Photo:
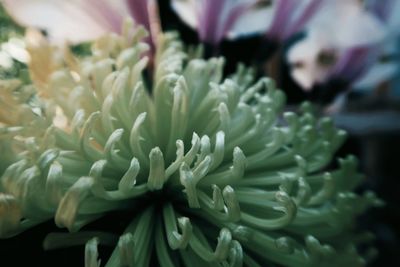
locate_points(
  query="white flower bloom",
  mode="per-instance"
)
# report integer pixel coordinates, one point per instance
(342, 48)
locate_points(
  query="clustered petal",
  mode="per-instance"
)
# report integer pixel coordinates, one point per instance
(209, 170)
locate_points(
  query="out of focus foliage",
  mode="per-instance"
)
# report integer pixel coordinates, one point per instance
(8, 27)
(9, 67)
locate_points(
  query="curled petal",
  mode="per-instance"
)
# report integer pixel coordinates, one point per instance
(91, 253)
(175, 239)
(126, 246)
(221, 251)
(10, 215)
(288, 208)
(157, 171)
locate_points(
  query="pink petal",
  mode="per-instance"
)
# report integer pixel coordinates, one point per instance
(234, 13)
(139, 11)
(311, 7)
(210, 13)
(215, 19)
(282, 14)
(353, 63)
(73, 20)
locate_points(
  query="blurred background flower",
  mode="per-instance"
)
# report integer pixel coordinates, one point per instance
(214, 20)
(357, 51)
(75, 20)
(276, 21)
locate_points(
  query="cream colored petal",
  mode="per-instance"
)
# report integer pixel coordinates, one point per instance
(346, 23)
(63, 20)
(16, 48)
(303, 60)
(304, 79)
(5, 60)
(187, 11)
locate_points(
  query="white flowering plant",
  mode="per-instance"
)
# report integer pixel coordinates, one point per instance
(208, 168)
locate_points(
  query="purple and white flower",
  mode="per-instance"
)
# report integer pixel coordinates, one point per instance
(349, 49)
(215, 20)
(79, 20)
(290, 17)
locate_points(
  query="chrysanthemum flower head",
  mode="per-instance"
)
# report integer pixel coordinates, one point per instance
(208, 170)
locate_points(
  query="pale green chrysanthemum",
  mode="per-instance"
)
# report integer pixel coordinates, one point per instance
(210, 176)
